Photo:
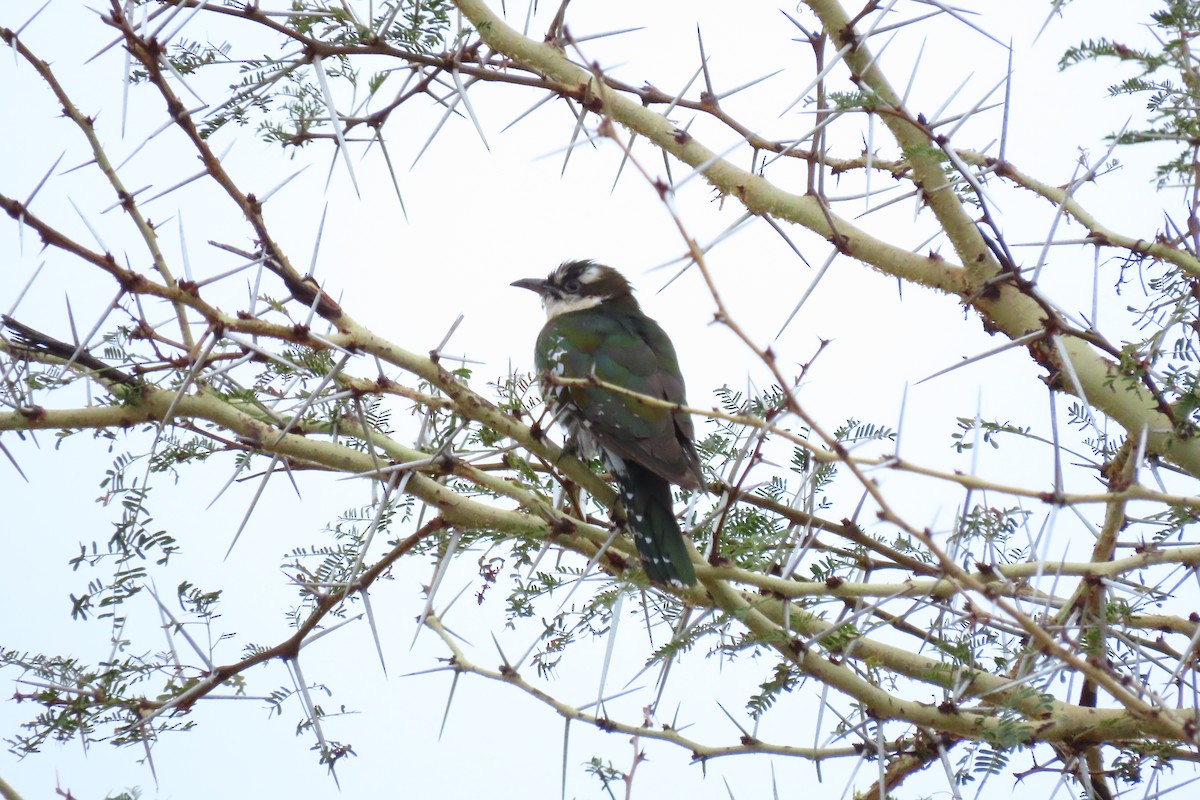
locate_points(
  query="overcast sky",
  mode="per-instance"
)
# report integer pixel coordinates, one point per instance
(479, 217)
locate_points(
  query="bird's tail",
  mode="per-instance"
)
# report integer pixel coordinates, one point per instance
(651, 516)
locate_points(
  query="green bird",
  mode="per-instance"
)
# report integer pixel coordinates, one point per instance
(595, 328)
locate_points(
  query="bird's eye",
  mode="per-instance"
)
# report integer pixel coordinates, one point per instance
(571, 285)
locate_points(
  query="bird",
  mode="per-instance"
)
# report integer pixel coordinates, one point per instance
(595, 327)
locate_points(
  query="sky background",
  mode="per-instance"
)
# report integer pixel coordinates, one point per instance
(479, 217)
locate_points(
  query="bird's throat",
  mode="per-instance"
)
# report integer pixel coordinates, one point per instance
(564, 305)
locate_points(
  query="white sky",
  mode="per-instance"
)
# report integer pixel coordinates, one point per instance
(478, 219)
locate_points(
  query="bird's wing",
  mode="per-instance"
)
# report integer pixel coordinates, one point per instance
(632, 352)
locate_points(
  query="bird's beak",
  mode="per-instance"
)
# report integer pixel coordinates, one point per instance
(532, 284)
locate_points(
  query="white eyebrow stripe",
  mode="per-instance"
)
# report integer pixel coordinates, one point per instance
(590, 275)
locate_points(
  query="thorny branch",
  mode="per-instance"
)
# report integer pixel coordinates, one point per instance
(828, 628)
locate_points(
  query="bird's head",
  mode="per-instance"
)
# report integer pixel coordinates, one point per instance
(576, 285)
